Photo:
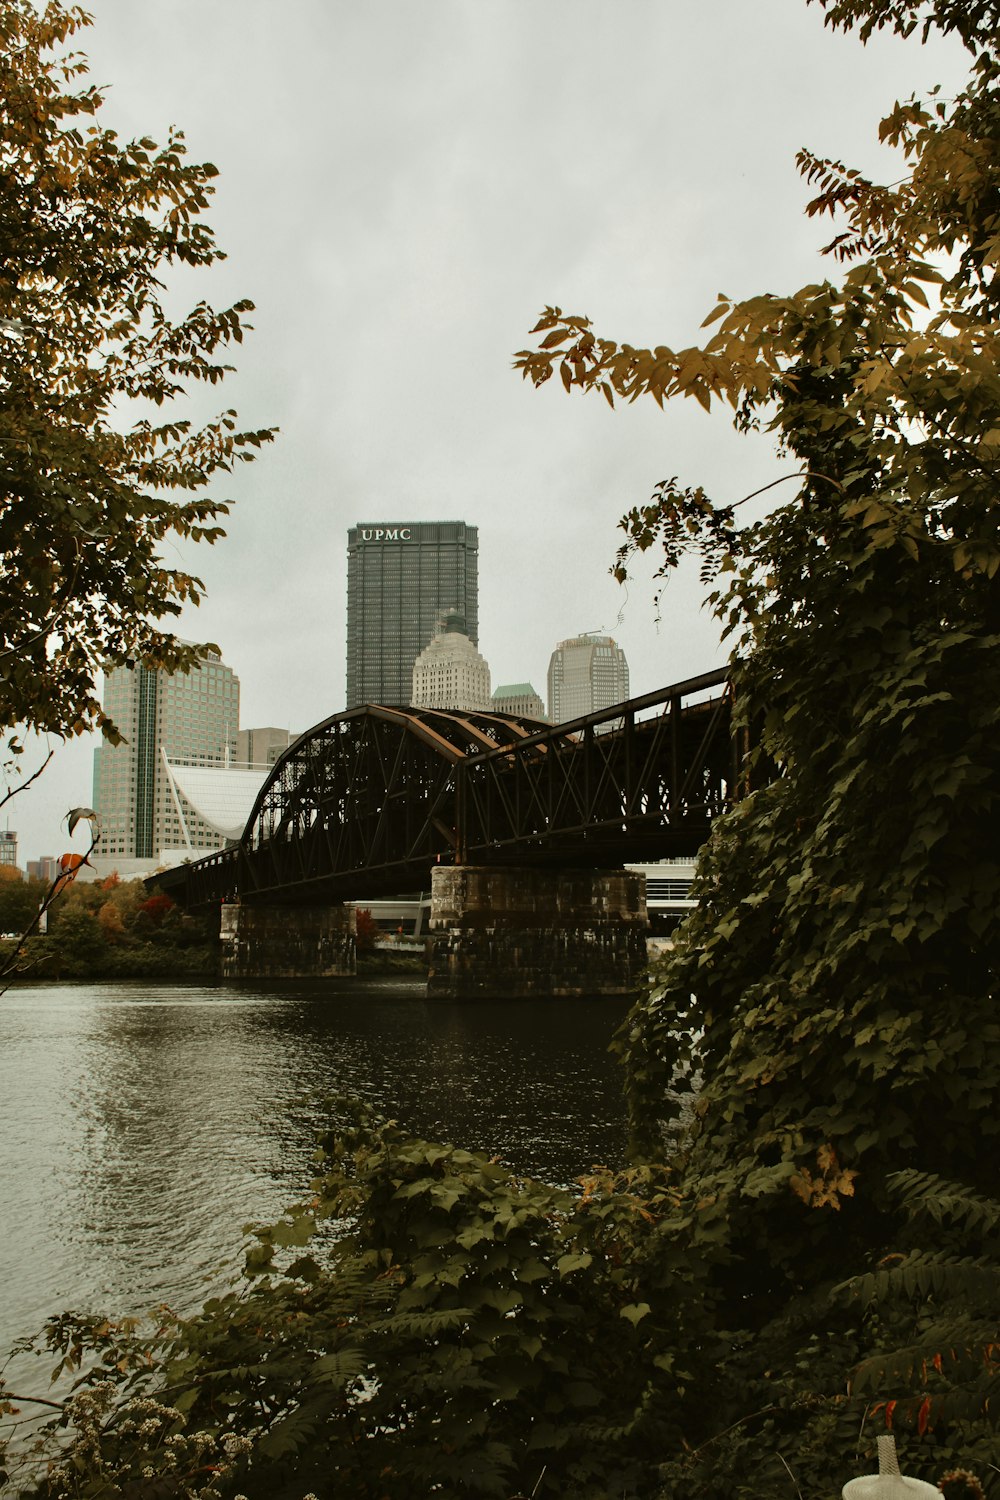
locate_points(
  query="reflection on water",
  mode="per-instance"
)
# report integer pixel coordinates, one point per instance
(143, 1125)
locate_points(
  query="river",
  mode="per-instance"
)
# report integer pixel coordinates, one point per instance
(144, 1124)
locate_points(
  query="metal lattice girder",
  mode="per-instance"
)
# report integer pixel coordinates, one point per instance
(369, 800)
(611, 786)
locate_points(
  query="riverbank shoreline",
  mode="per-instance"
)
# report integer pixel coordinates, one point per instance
(44, 961)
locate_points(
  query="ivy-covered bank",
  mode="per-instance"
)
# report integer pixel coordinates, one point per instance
(805, 1253)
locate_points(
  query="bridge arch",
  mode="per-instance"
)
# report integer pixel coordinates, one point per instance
(369, 794)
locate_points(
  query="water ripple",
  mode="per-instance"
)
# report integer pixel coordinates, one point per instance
(143, 1125)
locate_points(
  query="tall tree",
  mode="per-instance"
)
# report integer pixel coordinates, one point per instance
(830, 1013)
(93, 478)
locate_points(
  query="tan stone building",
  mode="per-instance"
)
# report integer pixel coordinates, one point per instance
(449, 672)
(518, 698)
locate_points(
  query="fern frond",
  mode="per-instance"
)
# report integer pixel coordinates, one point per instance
(340, 1368)
(913, 1365)
(944, 1201)
(952, 1328)
(977, 1402)
(971, 1280)
(424, 1324)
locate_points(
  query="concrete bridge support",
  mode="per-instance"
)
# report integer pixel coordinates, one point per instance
(287, 942)
(526, 933)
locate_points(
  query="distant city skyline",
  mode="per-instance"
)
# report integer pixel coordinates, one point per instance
(172, 720)
(387, 315)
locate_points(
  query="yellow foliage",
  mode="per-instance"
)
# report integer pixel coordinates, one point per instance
(828, 1186)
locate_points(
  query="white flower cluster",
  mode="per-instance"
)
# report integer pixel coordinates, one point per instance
(236, 1443)
(139, 1441)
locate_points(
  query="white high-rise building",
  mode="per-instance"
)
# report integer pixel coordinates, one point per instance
(450, 673)
(586, 673)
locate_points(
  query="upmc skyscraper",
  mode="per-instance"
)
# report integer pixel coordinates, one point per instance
(401, 577)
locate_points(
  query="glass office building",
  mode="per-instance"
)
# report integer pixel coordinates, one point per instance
(402, 577)
(191, 717)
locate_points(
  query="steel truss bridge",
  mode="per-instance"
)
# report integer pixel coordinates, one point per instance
(367, 802)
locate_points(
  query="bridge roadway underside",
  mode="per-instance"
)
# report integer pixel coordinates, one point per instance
(518, 828)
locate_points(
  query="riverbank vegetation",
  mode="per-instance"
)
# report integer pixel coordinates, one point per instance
(109, 929)
(804, 1253)
(115, 929)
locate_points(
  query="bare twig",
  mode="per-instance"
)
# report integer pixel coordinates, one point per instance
(764, 1412)
(792, 1478)
(797, 474)
(24, 785)
(58, 885)
(38, 1400)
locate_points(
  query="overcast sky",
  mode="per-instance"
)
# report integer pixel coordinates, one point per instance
(403, 188)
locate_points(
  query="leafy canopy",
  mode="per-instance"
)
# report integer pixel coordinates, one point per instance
(830, 1013)
(93, 477)
(809, 1252)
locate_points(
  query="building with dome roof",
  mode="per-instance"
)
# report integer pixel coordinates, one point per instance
(450, 673)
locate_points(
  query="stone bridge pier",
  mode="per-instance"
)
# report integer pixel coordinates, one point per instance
(287, 942)
(535, 933)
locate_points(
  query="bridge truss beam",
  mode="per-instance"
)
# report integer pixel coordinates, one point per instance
(372, 799)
